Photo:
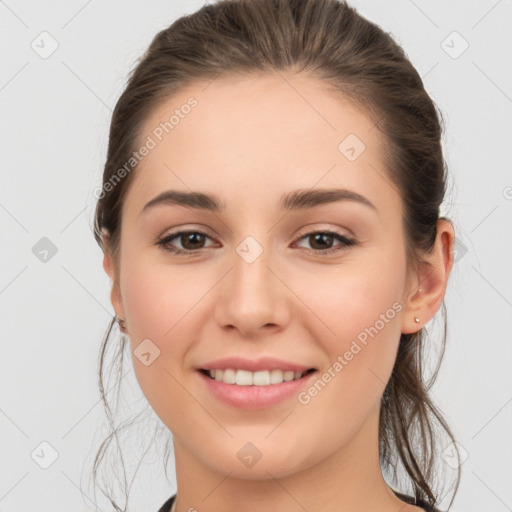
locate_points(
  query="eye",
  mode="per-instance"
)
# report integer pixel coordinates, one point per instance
(192, 239)
(323, 238)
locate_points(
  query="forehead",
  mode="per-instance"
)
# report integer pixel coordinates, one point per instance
(246, 137)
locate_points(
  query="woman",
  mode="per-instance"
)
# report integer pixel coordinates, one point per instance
(270, 221)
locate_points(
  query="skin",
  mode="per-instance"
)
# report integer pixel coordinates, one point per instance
(249, 141)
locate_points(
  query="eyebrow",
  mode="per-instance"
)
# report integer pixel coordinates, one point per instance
(295, 200)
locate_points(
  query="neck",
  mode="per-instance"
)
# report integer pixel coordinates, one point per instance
(346, 480)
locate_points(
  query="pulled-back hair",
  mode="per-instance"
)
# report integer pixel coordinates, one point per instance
(330, 41)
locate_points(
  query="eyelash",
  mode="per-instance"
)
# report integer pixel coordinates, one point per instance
(165, 241)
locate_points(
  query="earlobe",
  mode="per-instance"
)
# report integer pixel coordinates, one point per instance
(107, 264)
(115, 292)
(107, 258)
(429, 286)
(117, 304)
(115, 298)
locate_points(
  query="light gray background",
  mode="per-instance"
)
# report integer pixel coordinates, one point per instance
(55, 115)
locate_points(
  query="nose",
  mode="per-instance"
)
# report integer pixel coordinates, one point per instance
(252, 297)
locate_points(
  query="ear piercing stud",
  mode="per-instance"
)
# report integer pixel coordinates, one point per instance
(122, 323)
(416, 319)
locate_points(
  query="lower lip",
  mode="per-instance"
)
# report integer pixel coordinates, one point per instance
(255, 397)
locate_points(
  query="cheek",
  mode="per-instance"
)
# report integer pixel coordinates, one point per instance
(348, 300)
(157, 300)
(156, 297)
(357, 314)
(352, 311)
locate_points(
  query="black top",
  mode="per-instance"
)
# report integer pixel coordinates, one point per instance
(166, 507)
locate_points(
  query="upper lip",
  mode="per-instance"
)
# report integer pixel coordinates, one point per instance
(263, 363)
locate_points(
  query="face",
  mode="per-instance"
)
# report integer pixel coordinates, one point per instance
(257, 282)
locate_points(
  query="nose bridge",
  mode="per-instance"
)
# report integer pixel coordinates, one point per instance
(250, 297)
(251, 273)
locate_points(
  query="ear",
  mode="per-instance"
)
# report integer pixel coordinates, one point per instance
(109, 265)
(428, 286)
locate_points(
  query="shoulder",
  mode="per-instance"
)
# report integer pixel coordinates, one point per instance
(420, 504)
(167, 505)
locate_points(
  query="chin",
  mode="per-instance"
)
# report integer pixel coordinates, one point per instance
(255, 461)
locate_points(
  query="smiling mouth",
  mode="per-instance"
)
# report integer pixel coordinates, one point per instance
(258, 378)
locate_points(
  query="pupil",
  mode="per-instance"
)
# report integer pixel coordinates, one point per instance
(317, 236)
(191, 237)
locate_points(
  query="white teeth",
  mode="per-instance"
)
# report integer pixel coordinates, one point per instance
(228, 376)
(259, 378)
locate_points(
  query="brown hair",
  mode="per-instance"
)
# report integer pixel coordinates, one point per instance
(328, 40)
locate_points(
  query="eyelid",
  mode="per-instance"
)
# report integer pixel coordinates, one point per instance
(308, 230)
(346, 242)
(186, 229)
(165, 239)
